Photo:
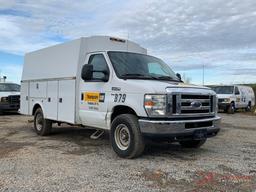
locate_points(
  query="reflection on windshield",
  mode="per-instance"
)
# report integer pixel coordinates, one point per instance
(139, 66)
(4, 87)
(224, 89)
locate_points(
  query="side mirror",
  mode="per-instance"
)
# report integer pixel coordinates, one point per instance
(179, 76)
(87, 72)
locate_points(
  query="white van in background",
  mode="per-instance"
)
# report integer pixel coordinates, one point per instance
(9, 96)
(232, 97)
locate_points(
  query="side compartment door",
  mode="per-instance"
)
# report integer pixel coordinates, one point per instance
(51, 105)
(66, 100)
(94, 93)
(24, 98)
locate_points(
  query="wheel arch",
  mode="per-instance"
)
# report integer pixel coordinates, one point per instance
(121, 109)
(35, 107)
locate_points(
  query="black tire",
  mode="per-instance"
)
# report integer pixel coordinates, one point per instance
(126, 125)
(249, 107)
(192, 143)
(231, 108)
(42, 126)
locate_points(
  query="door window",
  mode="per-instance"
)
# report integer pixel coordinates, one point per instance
(99, 64)
(237, 91)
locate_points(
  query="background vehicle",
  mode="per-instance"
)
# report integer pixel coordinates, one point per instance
(112, 84)
(232, 97)
(9, 96)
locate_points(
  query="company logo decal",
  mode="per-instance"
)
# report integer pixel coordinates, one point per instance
(94, 97)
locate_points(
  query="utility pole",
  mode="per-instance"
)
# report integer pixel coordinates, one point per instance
(203, 73)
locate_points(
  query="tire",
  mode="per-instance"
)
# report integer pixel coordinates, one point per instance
(249, 107)
(231, 108)
(42, 126)
(125, 136)
(192, 143)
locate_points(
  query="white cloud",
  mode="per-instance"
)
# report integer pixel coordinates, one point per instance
(187, 34)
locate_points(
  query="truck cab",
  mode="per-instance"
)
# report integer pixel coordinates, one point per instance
(9, 97)
(232, 97)
(113, 84)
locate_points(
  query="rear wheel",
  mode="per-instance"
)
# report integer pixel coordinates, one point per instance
(192, 143)
(42, 126)
(126, 138)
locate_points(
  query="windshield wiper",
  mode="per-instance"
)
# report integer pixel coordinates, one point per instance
(168, 78)
(136, 76)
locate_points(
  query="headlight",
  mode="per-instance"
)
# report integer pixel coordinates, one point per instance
(4, 99)
(155, 105)
(226, 100)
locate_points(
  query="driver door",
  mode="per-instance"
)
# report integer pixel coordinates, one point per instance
(94, 93)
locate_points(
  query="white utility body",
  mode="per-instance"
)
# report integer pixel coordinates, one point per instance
(112, 84)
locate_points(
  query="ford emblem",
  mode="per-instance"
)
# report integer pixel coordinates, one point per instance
(196, 104)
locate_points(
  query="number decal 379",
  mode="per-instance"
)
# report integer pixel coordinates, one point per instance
(119, 98)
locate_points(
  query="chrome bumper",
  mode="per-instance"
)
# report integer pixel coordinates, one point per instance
(180, 127)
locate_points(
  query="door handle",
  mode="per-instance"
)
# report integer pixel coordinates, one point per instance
(60, 100)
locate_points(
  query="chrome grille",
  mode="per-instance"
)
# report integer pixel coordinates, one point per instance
(192, 104)
(14, 99)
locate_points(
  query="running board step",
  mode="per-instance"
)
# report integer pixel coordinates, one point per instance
(97, 134)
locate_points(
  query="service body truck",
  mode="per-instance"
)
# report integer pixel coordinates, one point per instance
(112, 84)
(9, 96)
(232, 97)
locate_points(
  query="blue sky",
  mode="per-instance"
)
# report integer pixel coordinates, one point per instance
(219, 35)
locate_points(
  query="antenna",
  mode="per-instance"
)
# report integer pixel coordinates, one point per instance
(127, 41)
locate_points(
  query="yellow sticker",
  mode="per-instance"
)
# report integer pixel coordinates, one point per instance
(92, 96)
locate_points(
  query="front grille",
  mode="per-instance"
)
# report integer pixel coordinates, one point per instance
(220, 100)
(14, 99)
(191, 104)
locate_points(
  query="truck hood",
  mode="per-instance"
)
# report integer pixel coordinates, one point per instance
(153, 86)
(6, 94)
(224, 96)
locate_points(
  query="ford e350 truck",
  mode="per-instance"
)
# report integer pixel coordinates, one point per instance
(112, 84)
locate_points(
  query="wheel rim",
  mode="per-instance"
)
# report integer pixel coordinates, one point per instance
(122, 137)
(39, 122)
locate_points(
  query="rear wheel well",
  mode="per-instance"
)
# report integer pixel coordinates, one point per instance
(121, 109)
(36, 106)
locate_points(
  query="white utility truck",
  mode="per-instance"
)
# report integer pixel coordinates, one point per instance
(9, 96)
(232, 97)
(112, 84)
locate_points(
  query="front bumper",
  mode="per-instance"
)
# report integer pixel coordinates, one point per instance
(223, 106)
(9, 107)
(210, 126)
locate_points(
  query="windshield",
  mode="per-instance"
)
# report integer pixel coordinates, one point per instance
(5, 87)
(139, 66)
(224, 89)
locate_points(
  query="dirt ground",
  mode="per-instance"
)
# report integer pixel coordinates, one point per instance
(69, 160)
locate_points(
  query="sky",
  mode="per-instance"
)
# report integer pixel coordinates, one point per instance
(217, 35)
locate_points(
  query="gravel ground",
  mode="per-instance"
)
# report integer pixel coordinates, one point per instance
(69, 160)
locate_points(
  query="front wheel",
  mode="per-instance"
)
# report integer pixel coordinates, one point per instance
(192, 143)
(249, 107)
(42, 126)
(231, 108)
(126, 138)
